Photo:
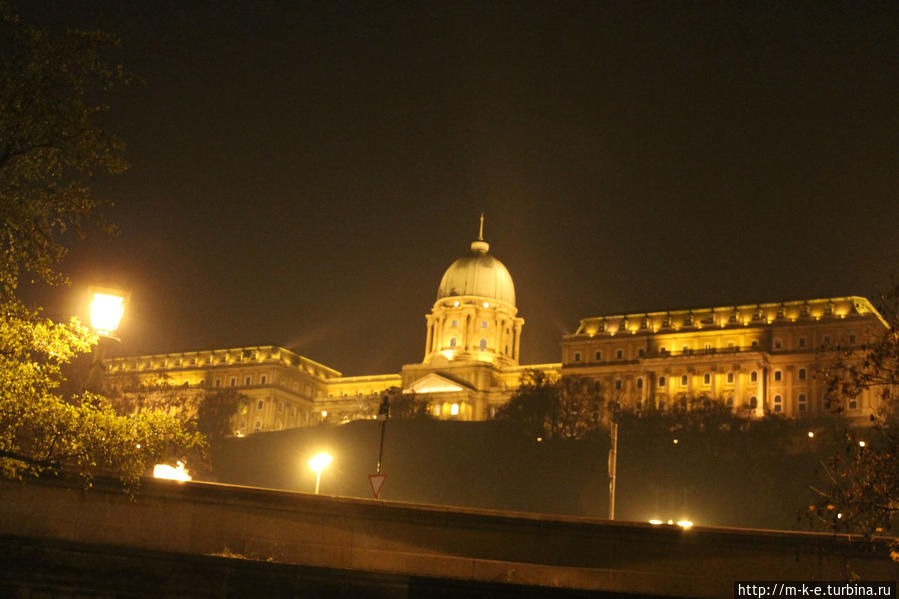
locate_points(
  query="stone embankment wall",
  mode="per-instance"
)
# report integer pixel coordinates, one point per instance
(430, 541)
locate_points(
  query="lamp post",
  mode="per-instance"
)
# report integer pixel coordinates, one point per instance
(107, 305)
(318, 463)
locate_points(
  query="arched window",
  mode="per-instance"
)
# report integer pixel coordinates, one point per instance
(778, 403)
(453, 342)
(803, 404)
(730, 402)
(753, 402)
(483, 345)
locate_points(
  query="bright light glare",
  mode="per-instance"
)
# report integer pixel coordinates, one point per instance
(320, 461)
(861, 443)
(655, 522)
(106, 312)
(166, 471)
(684, 523)
(811, 435)
(454, 409)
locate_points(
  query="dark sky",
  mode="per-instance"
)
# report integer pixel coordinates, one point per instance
(303, 173)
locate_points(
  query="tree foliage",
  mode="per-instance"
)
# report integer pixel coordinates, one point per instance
(863, 490)
(51, 146)
(548, 406)
(405, 406)
(216, 412)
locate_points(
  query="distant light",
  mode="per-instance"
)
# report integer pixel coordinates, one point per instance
(106, 312)
(811, 435)
(676, 441)
(324, 413)
(685, 523)
(320, 461)
(539, 439)
(454, 409)
(839, 514)
(486, 305)
(655, 522)
(861, 443)
(456, 303)
(165, 471)
(671, 522)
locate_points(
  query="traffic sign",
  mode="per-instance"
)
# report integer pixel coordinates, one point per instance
(377, 483)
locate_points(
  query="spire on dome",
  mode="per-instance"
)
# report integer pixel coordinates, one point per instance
(480, 246)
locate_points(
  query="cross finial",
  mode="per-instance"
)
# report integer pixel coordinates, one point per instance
(481, 230)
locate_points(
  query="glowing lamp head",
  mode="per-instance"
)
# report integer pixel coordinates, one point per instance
(106, 311)
(320, 461)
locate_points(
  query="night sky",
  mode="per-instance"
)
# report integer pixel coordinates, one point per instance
(303, 173)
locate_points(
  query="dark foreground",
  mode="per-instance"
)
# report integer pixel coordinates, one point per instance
(32, 567)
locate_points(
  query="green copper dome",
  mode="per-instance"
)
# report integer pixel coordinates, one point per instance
(480, 274)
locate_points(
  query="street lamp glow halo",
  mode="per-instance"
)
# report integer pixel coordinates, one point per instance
(107, 306)
(320, 461)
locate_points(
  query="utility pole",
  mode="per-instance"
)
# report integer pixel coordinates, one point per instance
(613, 467)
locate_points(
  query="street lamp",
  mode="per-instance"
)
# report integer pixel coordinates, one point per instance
(318, 463)
(107, 305)
(106, 311)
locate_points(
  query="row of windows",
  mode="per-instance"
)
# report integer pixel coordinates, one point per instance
(454, 324)
(247, 381)
(753, 403)
(709, 349)
(707, 378)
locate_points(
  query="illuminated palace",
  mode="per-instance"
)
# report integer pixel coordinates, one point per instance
(756, 358)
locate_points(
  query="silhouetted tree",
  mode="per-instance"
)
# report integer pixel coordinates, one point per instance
(863, 491)
(548, 406)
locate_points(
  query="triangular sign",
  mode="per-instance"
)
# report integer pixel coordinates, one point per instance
(377, 483)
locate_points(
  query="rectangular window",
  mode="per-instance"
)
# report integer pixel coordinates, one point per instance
(707, 379)
(754, 376)
(778, 376)
(853, 403)
(730, 377)
(778, 344)
(247, 381)
(683, 380)
(218, 382)
(618, 385)
(454, 324)
(233, 381)
(262, 380)
(661, 381)
(619, 354)
(802, 374)
(640, 383)
(598, 356)
(260, 405)
(851, 339)
(802, 342)
(483, 324)
(641, 352)
(577, 356)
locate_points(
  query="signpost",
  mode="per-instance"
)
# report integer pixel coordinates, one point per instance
(377, 480)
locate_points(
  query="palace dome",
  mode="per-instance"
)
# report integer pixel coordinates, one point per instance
(478, 273)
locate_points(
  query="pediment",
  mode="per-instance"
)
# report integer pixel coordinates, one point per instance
(434, 383)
